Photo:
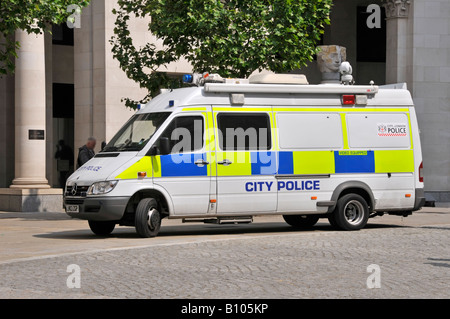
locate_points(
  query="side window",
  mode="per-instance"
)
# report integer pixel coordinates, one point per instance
(244, 131)
(185, 134)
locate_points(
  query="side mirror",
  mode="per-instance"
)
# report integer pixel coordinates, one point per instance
(153, 151)
(164, 145)
(163, 149)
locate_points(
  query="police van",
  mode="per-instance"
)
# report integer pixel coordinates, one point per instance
(226, 150)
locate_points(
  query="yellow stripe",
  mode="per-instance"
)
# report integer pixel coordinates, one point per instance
(314, 162)
(156, 162)
(210, 144)
(398, 161)
(410, 131)
(340, 110)
(142, 165)
(241, 164)
(194, 109)
(242, 109)
(344, 131)
(273, 118)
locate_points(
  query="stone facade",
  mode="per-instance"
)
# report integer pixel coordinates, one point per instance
(430, 85)
(418, 53)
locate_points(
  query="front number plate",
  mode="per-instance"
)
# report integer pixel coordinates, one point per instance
(72, 209)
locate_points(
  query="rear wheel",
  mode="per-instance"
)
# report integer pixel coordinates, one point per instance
(301, 221)
(101, 228)
(148, 218)
(351, 213)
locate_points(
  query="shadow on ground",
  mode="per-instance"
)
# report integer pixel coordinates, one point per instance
(202, 230)
(35, 216)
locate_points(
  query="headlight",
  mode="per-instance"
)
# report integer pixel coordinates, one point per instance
(102, 187)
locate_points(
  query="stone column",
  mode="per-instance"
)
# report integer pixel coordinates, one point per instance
(30, 113)
(398, 55)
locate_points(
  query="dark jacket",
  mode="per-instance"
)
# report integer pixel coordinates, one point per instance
(64, 152)
(84, 155)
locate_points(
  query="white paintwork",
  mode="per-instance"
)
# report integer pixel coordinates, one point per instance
(309, 131)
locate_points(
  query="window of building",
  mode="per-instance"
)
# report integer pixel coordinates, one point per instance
(63, 100)
(62, 34)
(370, 40)
(244, 131)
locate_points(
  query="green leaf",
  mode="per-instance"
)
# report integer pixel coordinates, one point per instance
(232, 37)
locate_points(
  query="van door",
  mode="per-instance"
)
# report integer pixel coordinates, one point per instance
(185, 172)
(245, 161)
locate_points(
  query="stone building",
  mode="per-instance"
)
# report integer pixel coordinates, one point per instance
(67, 86)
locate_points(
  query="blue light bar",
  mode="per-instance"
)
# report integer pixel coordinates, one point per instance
(187, 78)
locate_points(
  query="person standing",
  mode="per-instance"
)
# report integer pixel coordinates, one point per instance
(86, 152)
(64, 156)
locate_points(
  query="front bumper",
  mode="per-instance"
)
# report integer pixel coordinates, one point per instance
(97, 208)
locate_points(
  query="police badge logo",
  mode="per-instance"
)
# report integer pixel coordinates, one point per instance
(382, 129)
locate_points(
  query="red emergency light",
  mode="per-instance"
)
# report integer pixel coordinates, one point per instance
(348, 99)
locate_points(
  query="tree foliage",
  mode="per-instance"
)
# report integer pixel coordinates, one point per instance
(229, 37)
(33, 16)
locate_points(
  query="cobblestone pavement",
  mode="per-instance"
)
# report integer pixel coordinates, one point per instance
(414, 263)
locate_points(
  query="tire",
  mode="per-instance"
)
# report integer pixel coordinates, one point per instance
(301, 221)
(147, 219)
(101, 228)
(332, 222)
(351, 213)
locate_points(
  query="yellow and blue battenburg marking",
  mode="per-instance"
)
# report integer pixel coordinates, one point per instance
(354, 162)
(182, 165)
(276, 162)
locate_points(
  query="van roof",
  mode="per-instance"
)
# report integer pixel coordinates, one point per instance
(277, 95)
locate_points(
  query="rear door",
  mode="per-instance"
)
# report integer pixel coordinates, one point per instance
(245, 161)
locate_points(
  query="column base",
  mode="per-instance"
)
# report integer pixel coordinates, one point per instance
(29, 183)
(31, 199)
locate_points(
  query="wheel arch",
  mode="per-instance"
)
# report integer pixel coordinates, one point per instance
(163, 199)
(353, 187)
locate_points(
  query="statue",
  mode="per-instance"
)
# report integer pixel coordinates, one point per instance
(329, 59)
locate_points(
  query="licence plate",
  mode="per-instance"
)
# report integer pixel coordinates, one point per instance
(72, 208)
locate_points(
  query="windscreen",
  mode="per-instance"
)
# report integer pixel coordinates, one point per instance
(136, 133)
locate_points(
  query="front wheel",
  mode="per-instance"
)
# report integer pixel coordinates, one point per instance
(351, 213)
(301, 221)
(101, 228)
(147, 219)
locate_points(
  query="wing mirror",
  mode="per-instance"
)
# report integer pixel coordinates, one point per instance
(163, 149)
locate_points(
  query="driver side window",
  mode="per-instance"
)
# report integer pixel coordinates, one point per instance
(185, 134)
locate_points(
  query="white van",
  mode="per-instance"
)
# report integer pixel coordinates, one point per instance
(226, 151)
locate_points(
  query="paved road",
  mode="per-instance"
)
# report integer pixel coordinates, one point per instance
(262, 260)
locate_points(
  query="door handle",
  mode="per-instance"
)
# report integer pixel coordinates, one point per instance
(201, 162)
(225, 162)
